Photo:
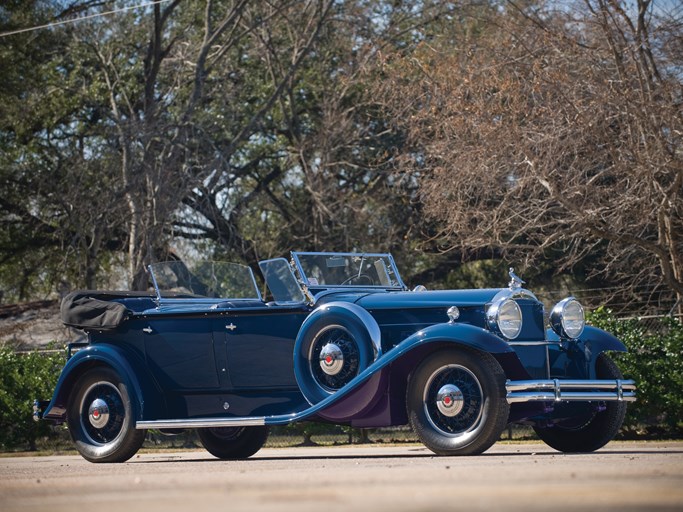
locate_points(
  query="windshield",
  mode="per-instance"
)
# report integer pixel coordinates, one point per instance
(344, 269)
(213, 279)
(281, 281)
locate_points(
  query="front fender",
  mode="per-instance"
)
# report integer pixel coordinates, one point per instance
(596, 339)
(460, 334)
(601, 341)
(576, 359)
(84, 359)
(440, 336)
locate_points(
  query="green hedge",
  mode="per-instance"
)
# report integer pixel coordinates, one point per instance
(655, 361)
(23, 378)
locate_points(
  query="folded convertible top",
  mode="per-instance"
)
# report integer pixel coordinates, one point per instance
(86, 309)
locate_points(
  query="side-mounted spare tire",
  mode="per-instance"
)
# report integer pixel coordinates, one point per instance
(335, 343)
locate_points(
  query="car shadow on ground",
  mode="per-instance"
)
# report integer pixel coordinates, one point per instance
(379, 456)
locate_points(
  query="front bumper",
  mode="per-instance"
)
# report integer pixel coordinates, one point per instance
(557, 390)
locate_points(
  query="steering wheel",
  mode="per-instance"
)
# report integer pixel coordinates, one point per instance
(361, 279)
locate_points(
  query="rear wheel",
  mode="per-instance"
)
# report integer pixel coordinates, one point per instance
(100, 418)
(588, 432)
(456, 402)
(233, 442)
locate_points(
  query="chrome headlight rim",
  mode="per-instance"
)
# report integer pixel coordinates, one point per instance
(568, 318)
(505, 327)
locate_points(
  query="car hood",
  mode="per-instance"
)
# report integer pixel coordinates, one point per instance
(427, 299)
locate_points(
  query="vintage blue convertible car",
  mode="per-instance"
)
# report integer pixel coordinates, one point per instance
(340, 340)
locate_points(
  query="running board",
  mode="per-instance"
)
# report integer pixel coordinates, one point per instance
(254, 421)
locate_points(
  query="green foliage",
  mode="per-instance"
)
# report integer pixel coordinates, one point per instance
(23, 378)
(655, 361)
(478, 274)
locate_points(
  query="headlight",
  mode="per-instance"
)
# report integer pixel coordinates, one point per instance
(567, 318)
(505, 317)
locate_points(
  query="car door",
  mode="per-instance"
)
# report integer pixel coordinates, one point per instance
(259, 345)
(180, 353)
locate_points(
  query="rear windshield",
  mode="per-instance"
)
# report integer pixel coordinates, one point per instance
(212, 279)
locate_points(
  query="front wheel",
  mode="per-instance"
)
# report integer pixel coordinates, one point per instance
(100, 418)
(588, 432)
(456, 402)
(233, 442)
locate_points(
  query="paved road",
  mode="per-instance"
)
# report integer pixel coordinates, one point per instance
(622, 476)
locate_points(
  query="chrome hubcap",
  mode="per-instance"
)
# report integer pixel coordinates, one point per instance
(331, 359)
(449, 400)
(98, 413)
(454, 402)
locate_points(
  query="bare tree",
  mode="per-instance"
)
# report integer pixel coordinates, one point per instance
(537, 132)
(318, 176)
(174, 143)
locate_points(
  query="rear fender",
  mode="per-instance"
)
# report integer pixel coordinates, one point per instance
(91, 357)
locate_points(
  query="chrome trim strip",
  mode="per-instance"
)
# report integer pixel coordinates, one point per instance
(557, 390)
(534, 343)
(203, 423)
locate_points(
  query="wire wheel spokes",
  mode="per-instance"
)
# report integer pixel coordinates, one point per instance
(453, 388)
(340, 359)
(102, 413)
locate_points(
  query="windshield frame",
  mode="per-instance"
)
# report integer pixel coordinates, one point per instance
(386, 257)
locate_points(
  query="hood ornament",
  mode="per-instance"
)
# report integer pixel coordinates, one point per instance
(515, 281)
